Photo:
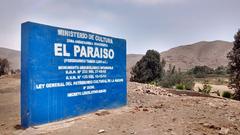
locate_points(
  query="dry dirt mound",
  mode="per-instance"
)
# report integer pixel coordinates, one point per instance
(150, 111)
(12, 55)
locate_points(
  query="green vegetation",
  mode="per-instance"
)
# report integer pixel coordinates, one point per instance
(149, 68)
(234, 66)
(179, 79)
(206, 88)
(201, 71)
(4, 66)
(221, 70)
(180, 86)
(205, 71)
(227, 94)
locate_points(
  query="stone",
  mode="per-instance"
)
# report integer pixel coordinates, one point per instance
(223, 131)
(158, 106)
(211, 126)
(133, 132)
(101, 131)
(102, 113)
(211, 104)
(145, 109)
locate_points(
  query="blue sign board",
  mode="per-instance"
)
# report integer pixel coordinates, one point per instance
(66, 73)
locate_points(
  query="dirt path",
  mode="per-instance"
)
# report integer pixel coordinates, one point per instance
(150, 111)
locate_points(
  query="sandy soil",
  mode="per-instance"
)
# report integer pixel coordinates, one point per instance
(150, 111)
(220, 88)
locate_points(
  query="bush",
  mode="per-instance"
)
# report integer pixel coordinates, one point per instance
(201, 71)
(180, 86)
(180, 80)
(221, 70)
(206, 88)
(148, 69)
(189, 82)
(4, 66)
(227, 94)
(170, 80)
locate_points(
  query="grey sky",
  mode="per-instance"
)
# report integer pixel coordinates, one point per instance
(145, 24)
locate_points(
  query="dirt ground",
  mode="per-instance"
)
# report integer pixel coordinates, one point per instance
(215, 88)
(150, 111)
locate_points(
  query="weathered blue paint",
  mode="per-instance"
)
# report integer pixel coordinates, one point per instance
(41, 65)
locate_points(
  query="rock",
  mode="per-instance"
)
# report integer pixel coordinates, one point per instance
(158, 106)
(223, 131)
(147, 91)
(139, 101)
(145, 109)
(101, 131)
(211, 104)
(102, 113)
(133, 132)
(18, 127)
(137, 89)
(136, 109)
(211, 126)
(174, 119)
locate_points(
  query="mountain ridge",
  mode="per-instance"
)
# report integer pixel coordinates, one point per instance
(13, 56)
(210, 53)
(185, 57)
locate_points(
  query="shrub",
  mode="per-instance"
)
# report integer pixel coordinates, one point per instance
(148, 69)
(221, 70)
(206, 88)
(180, 86)
(170, 80)
(227, 94)
(189, 83)
(201, 71)
(180, 80)
(4, 66)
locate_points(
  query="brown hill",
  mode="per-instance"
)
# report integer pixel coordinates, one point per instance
(212, 54)
(13, 57)
(131, 61)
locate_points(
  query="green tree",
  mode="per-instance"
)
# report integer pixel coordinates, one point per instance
(234, 66)
(201, 71)
(4, 66)
(149, 68)
(221, 70)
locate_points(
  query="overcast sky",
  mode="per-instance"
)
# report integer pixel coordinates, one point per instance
(145, 24)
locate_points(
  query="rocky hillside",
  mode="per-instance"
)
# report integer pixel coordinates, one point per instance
(212, 54)
(12, 55)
